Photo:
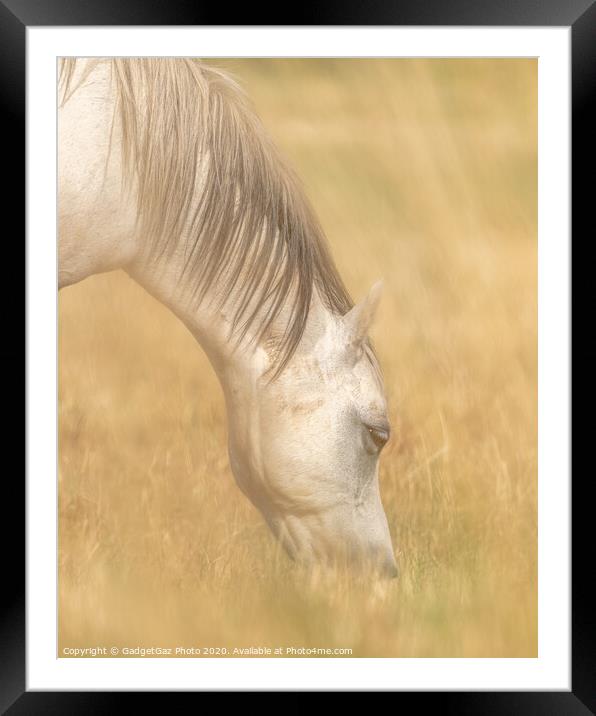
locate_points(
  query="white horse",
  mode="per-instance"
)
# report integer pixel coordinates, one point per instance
(165, 172)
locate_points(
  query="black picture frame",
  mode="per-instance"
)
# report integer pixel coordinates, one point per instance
(15, 17)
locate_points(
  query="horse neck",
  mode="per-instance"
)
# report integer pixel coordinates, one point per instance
(237, 364)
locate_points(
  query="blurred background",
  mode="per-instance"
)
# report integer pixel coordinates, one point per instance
(424, 173)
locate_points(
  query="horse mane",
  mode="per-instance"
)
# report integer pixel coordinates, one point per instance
(250, 227)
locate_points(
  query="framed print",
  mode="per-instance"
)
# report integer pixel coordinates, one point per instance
(298, 354)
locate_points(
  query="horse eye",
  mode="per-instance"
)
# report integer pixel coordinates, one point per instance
(379, 435)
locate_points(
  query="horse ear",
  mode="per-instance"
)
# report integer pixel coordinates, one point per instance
(358, 319)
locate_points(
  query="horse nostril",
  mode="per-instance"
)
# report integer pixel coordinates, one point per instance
(388, 566)
(391, 571)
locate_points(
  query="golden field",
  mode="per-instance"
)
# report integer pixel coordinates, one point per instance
(423, 172)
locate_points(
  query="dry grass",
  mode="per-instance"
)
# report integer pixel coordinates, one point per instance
(423, 172)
